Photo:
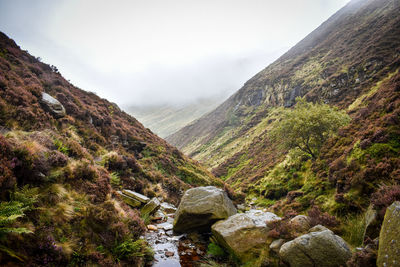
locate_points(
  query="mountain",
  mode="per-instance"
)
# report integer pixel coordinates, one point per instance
(64, 155)
(352, 62)
(337, 63)
(165, 120)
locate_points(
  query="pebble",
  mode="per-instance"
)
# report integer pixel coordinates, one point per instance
(152, 227)
(169, 253)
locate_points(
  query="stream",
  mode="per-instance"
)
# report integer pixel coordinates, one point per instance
(171, 250)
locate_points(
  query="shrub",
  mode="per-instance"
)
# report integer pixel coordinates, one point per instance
(308, 126)
(317, 217)
(9, 213)
(129, 250)
(384, 197)
(61, 147)
(114, 179)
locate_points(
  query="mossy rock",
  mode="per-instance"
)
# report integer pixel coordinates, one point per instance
(389, 238)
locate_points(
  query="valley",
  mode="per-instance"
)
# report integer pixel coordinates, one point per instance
(299, 167)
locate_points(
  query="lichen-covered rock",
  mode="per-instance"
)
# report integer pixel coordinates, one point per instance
(129, 200)
(322, 248)
(262, 218)
(389, 238)
(241, 235)
(135, 195)
(200, 207)
(150, 207)
(53, 105)
(300, 224)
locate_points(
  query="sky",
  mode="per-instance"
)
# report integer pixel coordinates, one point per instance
(152, 52)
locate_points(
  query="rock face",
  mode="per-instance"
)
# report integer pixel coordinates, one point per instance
(200, 207)
(244, 234)
(389, 238)
(322, 248)
(53, 105)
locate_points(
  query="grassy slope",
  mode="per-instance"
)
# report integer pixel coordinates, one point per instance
(71, 167)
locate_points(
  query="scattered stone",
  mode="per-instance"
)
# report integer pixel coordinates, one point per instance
(300, 224)
(322, 248)
(169, 253)
(53, 105)
(135, 195)
(200, 207)
(152, 227)
(150, 207)
(167, 207)
(242, 235)
(129, 200)
(159, 215)
(166, 226)
(389, 238)
(276, 245)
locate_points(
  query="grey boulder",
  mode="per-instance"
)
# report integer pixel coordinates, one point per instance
(244, 234)
(200, 207)
(53, 105)
(321, 248)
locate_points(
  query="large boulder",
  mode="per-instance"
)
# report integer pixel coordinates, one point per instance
(389, 238)
(245, 234)
(322, 248)
(200, 207)
(53, 105)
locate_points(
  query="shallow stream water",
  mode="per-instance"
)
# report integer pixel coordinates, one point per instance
(172, 250)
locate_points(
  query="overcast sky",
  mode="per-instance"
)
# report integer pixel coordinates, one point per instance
(161, 51)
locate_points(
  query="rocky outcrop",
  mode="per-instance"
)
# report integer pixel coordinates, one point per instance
(245, 234)
(321, 248)
(53, 105)
(200, 207)
(389, 238)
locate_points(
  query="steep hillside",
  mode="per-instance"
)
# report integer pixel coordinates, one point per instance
(351, 61)
(61, 164)
(342, 59)
(165, 120)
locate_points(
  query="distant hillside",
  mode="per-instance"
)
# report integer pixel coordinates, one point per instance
(165, 120)
(64, 154)
(351, 61)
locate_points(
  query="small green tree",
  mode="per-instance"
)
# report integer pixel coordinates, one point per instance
(307, 126)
